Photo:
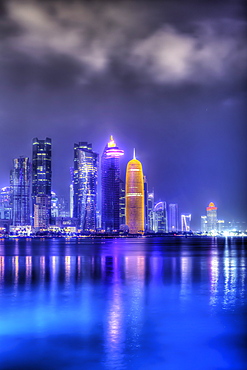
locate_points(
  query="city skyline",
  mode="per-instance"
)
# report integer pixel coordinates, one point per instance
(90, 160)
(167, 80)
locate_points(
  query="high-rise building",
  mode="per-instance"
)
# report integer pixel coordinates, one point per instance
(54, 205)
(5, 203)
(160, 217)
(150, 212)
(85, 178)
(185, 222)
(41, 182)
(173, 217)
(41, 212)
(134, 197)
(20, 191)
(211, 217)
(110, 185)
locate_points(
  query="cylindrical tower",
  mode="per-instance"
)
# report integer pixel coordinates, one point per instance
(134, 197)
(110, 185)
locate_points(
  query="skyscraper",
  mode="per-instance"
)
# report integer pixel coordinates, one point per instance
(20, 191)
(150, 223)
(160, 217)
(134, 197)
(211, 217)
(85, 178)
(173, 217)
(41, 182)
(111, 187)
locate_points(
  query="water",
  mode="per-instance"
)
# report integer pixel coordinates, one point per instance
(158, 303)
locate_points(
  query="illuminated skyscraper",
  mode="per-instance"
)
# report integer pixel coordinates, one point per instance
(41, 182)
(211, 217)
(173, 217)
(185, 222)
(111, 187)
(134, 197)
(160, 217)
(20, 191)
(150, 211)
(54, 204)
(85, 186)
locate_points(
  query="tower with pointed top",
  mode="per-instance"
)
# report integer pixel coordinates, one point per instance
(134, 196)
(111, 187)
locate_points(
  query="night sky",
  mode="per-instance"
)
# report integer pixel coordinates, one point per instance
(167, 78)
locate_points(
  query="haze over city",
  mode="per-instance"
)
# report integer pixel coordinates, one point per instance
(163, 77)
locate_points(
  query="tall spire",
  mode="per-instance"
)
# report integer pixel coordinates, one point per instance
(134, 154)
(111, 143)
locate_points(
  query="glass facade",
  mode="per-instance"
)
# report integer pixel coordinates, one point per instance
(160, 217)
(41, 179)
(150, 212)
(173, 217)
(111, 196)
(20, 191)
(85, 177)
(134, 197)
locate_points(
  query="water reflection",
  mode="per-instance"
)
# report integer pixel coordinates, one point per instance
(122, 301)
(214, 278)
(222, 273)
(185, 277)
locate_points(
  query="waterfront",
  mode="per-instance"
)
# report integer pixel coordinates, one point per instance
(175, 303)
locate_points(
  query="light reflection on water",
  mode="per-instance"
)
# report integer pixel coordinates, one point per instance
(123, 304)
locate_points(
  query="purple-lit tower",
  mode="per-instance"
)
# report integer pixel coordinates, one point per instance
(110, 182)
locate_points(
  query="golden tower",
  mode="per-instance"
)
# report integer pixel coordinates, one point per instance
(134, 196)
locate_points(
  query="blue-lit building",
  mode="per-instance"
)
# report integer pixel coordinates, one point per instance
(173, 217)
(150, 211)
(20, 191)
(112, 188)
(85, 177)
(41, 182)
(160, 217)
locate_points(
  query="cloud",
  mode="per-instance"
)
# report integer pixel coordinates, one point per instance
(97, 35)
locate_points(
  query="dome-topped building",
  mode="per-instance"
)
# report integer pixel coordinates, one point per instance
(211, 217)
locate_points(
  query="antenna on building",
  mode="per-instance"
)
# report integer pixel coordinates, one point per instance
(134, 154)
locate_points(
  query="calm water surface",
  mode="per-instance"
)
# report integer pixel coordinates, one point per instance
(160, 303)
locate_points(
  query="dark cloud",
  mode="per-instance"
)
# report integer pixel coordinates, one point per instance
(95, 36)
(165, 77)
